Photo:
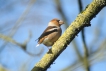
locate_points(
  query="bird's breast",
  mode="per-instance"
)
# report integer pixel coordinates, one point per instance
(51, 38)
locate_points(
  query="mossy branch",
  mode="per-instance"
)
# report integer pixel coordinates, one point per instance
(82, 20)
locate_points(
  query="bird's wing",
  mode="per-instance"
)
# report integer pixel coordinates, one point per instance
(48, 30)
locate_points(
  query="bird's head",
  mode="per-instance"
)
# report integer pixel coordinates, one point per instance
(55, 22)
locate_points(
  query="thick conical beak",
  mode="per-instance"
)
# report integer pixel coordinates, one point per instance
(61, 22)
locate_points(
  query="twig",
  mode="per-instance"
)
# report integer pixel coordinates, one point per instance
(85, 59)
(19, 22)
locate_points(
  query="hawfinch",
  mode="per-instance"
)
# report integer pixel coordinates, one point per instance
(51, 33)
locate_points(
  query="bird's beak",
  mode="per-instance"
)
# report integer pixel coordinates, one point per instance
(61, 22)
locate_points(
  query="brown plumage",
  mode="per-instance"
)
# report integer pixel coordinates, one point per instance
(51, 33)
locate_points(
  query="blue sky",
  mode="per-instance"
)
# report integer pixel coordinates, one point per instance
(35, 21)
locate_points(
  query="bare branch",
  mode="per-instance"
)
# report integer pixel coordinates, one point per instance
(19, 22)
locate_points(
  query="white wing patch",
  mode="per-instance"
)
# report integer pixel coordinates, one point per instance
(55, 28)
(37, 45)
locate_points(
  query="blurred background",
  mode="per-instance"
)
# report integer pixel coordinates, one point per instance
(23, 21)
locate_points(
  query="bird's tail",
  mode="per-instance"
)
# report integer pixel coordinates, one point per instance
(37, 45)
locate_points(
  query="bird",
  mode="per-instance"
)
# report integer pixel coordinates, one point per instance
(51, 33)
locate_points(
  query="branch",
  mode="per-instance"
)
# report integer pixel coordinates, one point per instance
(66, 25)
(94, 58)
(85, 59)
(61, 12)
(18, 22)
(22, 45)
(81, 21)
